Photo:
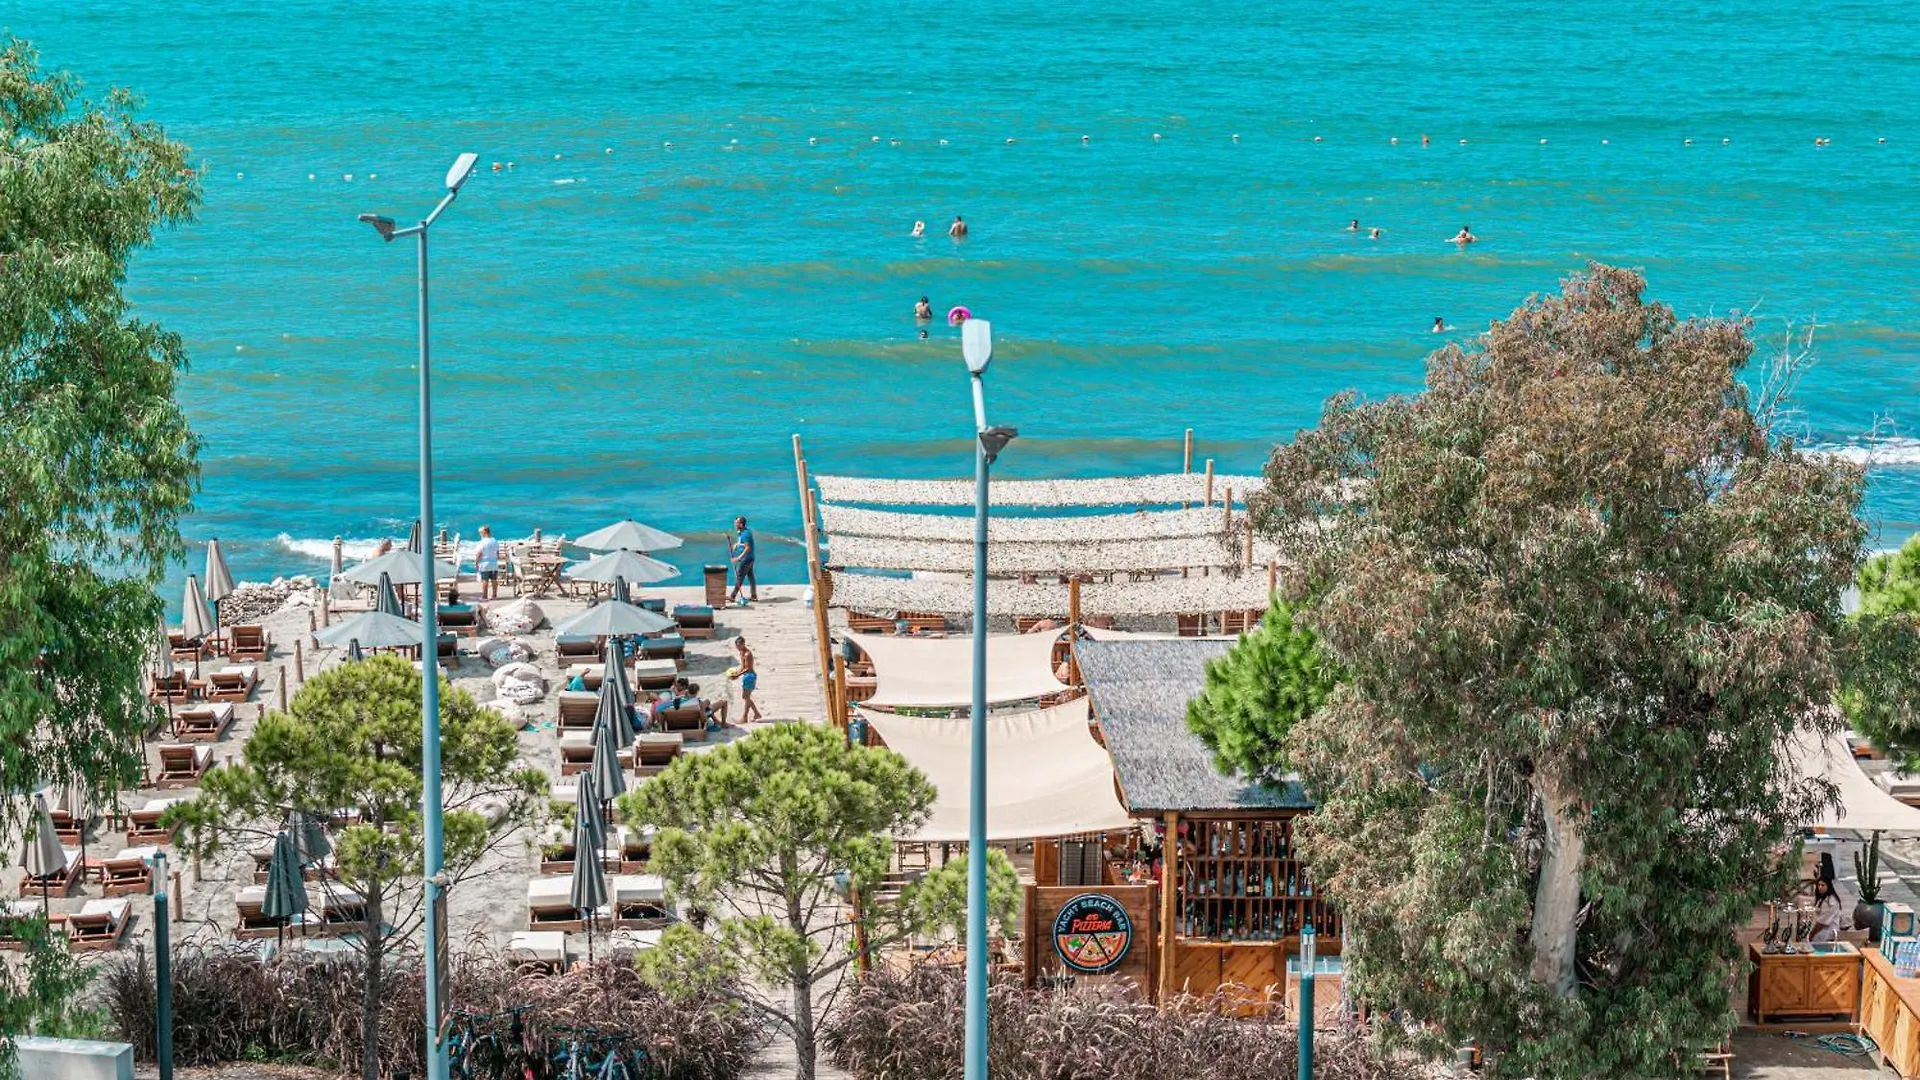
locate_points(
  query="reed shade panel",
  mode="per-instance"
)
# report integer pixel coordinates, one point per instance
(1083, 528)
(1158, 490)
(1172, 595)
(1061, 557)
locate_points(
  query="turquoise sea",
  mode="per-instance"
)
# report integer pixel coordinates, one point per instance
(702, 245)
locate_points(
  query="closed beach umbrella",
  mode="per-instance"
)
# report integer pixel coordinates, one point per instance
(413, 538)
(589, 877)
(219, 583)
(44, 854)
(286, 898)
(354, 652)
(195, 623)
(384, 598)
(310, 841)
(628, 535)
(163, 655)
(402, 567)
(338, 586)
(623, 564)
(609, 779)
(372, 630)
(611, 618)
(615, 665)
(615, 714)
(587, 791)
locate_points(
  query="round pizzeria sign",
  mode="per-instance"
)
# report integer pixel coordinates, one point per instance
(1092, 933)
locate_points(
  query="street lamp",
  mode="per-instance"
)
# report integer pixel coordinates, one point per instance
(976, 346)
(1307, 960)
(435, 841)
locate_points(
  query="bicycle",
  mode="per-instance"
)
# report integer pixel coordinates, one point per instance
(474, 1055)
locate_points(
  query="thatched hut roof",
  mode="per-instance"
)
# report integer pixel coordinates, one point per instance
(953, 595)
(1159, 490)
(1140, 691)
(840, 520)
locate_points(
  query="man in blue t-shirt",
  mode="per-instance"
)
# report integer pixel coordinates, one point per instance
(743, 562)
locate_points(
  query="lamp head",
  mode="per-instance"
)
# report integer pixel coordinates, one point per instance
(976, 344)
(1308, 949)
(995, 439)
(462, 168)
(382, 225)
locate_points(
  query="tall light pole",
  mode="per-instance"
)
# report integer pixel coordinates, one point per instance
(435, 839)
(976, 345)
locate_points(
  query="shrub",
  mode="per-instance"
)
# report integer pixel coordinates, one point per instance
(302, 1006)
(910, 1025)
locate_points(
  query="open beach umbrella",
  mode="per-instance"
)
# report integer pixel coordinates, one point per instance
(610, 781)
(628, 535)
(611, 618)
(44, 855)
(219, 583)
(623, 564)
(614, 713)
(384, 598)
(372, 630)
(310, 841)
(589, 877)
(286, 898)
(195, 623)
(401, 567)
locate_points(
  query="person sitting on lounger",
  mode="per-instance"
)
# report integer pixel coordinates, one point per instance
(686, 693)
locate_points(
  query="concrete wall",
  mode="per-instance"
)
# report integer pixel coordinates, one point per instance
(73, 1059)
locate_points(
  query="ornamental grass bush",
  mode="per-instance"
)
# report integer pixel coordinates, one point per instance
(305, 1007)
(911, 1025)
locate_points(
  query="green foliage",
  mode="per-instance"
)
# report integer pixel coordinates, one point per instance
(1866, 869)
(1889, 582)
(767, 832)
(1583, 597)
(351, 738)
(98, 464)
(1880, 682)
(936, 905)
(1272, 678)
(37, 995)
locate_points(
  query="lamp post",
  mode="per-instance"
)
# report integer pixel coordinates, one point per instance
(976, 346)
(162, 971)
(434, 841)
(1306, 1001)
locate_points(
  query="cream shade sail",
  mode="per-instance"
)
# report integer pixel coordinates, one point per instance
(1863, 806)
(913, 672)
(1045, 774)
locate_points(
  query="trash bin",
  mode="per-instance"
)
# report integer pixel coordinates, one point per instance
(716, 581)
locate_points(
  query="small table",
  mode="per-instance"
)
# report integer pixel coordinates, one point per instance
(543, 573)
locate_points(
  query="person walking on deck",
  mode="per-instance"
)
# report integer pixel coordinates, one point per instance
(486, 562)
(743, 562)
(749, 678)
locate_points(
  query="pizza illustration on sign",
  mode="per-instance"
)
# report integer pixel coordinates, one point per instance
(1092, 933)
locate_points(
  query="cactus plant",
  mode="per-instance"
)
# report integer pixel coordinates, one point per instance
(1866, 869)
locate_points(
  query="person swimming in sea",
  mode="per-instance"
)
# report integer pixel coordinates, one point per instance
(923, 311)
(1354, 225)
(957, 230)
(919, 229)
(1374, 233)
(1439, 324)
(1463, 237)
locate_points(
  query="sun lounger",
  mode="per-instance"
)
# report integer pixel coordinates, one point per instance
(449, 646)
(168, 689)
(577, 648)
(575, 708)
(460, 619)
(341, 908)
(576, 752)
(655, 604)
(251, 924)
(639, 900)
(636, 848)
(183, 764)
(12, 911)
(128, 873)
(654, 674)
(235, 682)
(1901, 786)
(624, 942)
(67, 827)
(690, 721)
(1240, 622)
(588, 674)
(143, 825)
(208, 723)
(695, 620)
(248, 644)
(99, 925)
(545, 949)
(862, 687)
(665, 647)
(58, 883)
(550, 905)
(653, 751)
(183, 649)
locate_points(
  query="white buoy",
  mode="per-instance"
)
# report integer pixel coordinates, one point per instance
(373, 176)
(1316, 138)
(1009, 142)
(1156, 136)
(556, 157)
(1726, 142)
(943, 142)
(812, 141)
(1883, 138)
(1393, 141)
(1463, 142)
(1543, 142)
(876, 138)
(1085, 139)
(609, 149)
(1604, 142)
(239, 176)
(1236, 137)
(1688, 142)
(347, 177)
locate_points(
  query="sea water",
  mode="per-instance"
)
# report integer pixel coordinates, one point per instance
(702, 245)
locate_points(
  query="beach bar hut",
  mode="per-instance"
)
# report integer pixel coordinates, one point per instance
(1233, 893)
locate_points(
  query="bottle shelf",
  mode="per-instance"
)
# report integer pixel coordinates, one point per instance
(1240, 881)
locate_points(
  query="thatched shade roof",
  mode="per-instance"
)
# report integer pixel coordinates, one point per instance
(875, 595)
(1161, 490)
(1140, 691)
(1064, 557)
(1137, 525)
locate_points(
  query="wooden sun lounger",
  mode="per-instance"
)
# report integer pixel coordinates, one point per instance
(252, 925)
(639, 901)
(460, 619)
(578, 648)
(58, 883)
(636, 849)
(576, 752)
(207, 723)
(169, 689)
(544, 949)
(99, 925)
(654, 674)
(655, 750)
(342, 908)
(182, 764)
(918, 621)
(248, 643)
(143, 825)
(690, 721)
(232, 683)
(575, 709)
(695, 620)
(862, 687)
(67, 827)
(183, 649)
(549, 906)
(665, 647)
(128, 873)
(589, 675)
(20, 909)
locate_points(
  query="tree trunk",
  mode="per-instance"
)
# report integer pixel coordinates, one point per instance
(370, 1001)
(804, 1050)
(1556, 900)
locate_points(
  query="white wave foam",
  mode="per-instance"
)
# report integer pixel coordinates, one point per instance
(1896, 450)
(352, 551)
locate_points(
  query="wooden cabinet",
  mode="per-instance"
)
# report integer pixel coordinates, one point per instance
(1890, 1014)
(1826, 983)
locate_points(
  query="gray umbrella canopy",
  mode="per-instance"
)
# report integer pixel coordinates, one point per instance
(44, 855)
(286, 888)
(587, 791)
(162, 655)
(609, 778)
(589, 877)
(614, 714)
(310, 841)
(628, 535)
(219, 584)
(384, 598)
(623, 564)
(373, 630)
(613, 617)
(403, 567)
(195, 622)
